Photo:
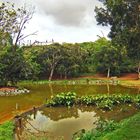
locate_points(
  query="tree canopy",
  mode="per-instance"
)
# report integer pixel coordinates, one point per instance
(122, 16)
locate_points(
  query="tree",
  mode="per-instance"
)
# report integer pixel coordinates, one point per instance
(12, 66)
(70, 64)
(109, 59)
(50, 57)
(13, 22)
(32, 68)
(92, 48)
(123, 18)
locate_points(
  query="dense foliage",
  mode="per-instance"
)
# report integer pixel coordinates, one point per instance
(70, 60)
(14, 66)
(104, 102)
(65, 60)
(123, 18)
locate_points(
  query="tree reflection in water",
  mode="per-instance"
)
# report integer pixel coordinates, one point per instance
(54, 122)
(58, 122)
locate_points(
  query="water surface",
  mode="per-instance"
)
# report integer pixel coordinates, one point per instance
(62, 122)
(11, 106)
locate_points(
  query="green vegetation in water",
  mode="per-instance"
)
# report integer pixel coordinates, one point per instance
(6, 131)
(104, 102)
(127, 129)
(66, 99)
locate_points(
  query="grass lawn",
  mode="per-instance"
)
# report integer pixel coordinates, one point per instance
(129, 130)
(6, 131)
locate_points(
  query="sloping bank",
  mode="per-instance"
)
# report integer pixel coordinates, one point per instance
(128, 129)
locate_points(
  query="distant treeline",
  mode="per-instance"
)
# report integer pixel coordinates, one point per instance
(63, 61)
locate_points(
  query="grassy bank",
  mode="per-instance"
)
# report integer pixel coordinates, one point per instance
(131, 83)
(74, 81)
(6, 131)
(128, 129)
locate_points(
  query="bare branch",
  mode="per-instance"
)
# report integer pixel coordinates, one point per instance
(24, 18)
(34, 33)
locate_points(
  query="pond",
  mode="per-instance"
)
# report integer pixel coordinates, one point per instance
(11, 106)
(56, 123)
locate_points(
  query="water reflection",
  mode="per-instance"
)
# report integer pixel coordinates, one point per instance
(16, 104)
(56, 124)
(62, 122)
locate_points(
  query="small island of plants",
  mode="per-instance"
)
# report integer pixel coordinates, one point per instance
(104, 102)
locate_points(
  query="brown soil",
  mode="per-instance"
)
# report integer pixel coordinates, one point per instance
(125, 76)
(129, 76)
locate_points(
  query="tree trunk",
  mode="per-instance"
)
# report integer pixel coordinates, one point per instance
(139, 71)
(65, 75)
(61, 76)
(108, 72)
(51, 74)
(138, 75)
(108, 89)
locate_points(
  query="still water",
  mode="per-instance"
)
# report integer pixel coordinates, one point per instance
(57, 123)
(11, 106)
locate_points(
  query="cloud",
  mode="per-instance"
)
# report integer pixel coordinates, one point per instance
(76, 13)
(63, 20)
(68, 12)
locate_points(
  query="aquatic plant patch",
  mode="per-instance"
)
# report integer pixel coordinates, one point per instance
(104, 102)
(66, 99)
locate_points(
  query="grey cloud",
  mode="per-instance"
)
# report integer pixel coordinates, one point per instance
(68, 12)
(64, 12)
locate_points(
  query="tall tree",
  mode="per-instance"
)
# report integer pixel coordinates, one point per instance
(73, 57)
(123, 18)
(50, 57)
(13, 21)
(109, 59)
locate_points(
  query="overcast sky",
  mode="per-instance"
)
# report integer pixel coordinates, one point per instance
(63, 20)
